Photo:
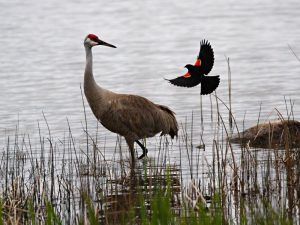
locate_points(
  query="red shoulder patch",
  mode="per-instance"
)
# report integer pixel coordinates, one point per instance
(187, 75)
(198, 62)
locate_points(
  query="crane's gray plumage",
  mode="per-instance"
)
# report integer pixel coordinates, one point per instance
(131, 116)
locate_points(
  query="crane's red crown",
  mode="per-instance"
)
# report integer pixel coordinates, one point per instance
(93, 37)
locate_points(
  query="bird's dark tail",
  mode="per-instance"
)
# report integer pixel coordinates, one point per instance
(209, 84)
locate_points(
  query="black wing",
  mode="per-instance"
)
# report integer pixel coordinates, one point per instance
(206, 56)
(209, 84)
(185, 81)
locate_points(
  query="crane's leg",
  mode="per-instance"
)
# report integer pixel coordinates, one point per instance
(130, 144)
(145, 150)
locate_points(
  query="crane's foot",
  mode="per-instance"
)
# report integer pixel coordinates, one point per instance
(145, 151)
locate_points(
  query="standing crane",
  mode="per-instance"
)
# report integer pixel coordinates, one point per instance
(131, 116)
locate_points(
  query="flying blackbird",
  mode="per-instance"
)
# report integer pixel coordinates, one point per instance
(197, 73)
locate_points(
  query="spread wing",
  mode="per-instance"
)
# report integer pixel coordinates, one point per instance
(206, 57)
(185, 81)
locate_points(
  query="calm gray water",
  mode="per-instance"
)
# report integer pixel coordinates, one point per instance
(42, 57)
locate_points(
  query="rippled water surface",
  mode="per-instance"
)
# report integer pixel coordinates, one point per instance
(42, 57)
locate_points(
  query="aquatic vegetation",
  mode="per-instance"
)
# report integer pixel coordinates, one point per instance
(59, 181)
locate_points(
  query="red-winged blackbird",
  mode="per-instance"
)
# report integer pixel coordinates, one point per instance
(197, 73)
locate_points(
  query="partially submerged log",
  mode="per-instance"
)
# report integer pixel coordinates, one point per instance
(273, 134)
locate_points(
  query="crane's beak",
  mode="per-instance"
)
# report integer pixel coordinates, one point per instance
(100, 42)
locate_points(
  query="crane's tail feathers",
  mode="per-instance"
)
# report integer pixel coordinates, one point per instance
(209, 84)
(169, 122)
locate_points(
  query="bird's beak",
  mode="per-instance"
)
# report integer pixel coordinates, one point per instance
(100, 42)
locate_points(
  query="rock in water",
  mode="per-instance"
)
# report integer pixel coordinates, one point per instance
(273, 134)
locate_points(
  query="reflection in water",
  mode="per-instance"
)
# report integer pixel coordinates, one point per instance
(128, 192)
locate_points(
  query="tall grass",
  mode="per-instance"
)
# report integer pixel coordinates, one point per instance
(58, 183)
(61, 182)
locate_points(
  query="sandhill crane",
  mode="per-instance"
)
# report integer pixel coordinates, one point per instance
(196, 73)
(131, 116)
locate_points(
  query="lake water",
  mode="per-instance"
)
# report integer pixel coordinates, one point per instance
(43, 59)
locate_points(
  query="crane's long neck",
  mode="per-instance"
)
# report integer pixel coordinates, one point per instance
(88, 73)
(97, 96)
(91, 89)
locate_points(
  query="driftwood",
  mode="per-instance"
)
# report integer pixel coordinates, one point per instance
(273, 134)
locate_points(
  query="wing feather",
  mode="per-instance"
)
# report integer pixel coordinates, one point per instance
(135, 115)
(206, 55)
(185, 81)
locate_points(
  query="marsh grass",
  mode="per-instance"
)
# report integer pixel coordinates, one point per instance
(57, 181)
(65, 185)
